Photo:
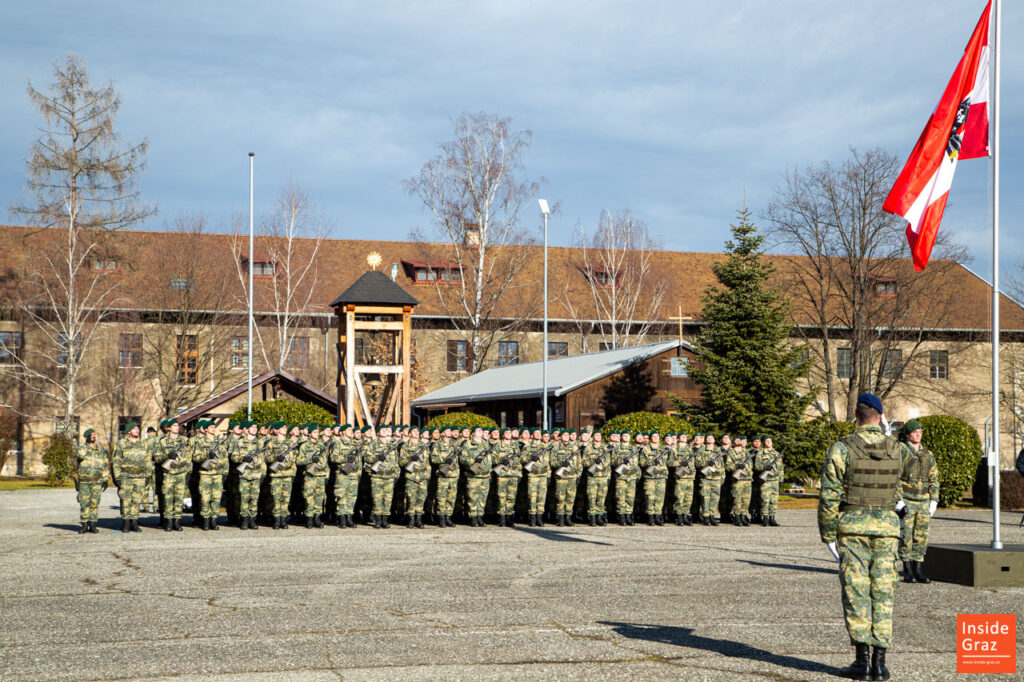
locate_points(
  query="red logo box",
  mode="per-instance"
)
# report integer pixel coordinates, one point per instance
(986, 643)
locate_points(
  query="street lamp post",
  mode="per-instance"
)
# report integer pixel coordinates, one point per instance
(248, 408)
(544, 357)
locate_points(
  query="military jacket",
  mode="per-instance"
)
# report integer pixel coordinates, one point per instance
(179, 448)
(131, 460)
(348, 458)
(93, 464)
(568, 455)
(286, 448)
(919, 479)
(654, 461)
(739, 462)
(415, 461)
(383, 456)
(537, 460)
(312, 450)
(684, 461)
(596, 460)
(476, 456)
(714, 459)
(625, 462)
(255, 469)
(506, 456)
(770, 461)
(445, 456)
(215, 449)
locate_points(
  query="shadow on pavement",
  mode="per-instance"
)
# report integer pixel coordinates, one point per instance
(102, 524)
(791, 567)
(684, 637)
(557, 536)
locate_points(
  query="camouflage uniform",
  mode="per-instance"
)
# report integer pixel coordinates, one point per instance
(348, 461)
(627, 471)
(712, 458)
(919, 485)
(508, 470)
(738, 464)
(596, 459)
(381, 463)
(214, 452)
(314, 480)
(866, 534)
(281, 464)
(567, 459)
(131, 464)
(415, 462)
(654, 466)
(247, 455)
(476, 462)
(769, 460)
(171, 457)
(683, 470)
(91, 479)
(538, 471)
(444, 456)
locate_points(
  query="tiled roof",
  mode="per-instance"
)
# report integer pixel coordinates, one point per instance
(374, 288)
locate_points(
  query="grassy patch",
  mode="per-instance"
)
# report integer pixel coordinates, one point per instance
(28, 483)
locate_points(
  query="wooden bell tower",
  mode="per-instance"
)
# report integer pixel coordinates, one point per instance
(374, 303)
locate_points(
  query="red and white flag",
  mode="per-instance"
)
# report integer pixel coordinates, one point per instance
(958, 129)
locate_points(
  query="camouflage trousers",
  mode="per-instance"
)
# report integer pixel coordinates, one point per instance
(867, 573)
(769, 498)
(914, 531)
(314, 493)
(597, 495)
(508, 489)
(211, 487)
(346, 490)
(174, 494)
(654, 492)
(89, 500)
(537, 493)
(447, 488)
(565, 494)
(625, 495)
(382, 490)
(415, 495)
(476, 495)
(281, 492)
(740, 497)
(249, 496)
(710, 492)
(684, 495)
(130, 492)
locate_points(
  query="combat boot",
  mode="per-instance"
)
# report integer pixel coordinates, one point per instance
(772, 521)
(510, 521)
(480, 520)
(629, 519)
(659, 520)
(411, 522)
(746, 520)
(384, 521)
(860, 669)
(592, 519)
(317, 521)
(559, 520)
(915, 566)
(714, 521)
(764, 521)
(309, 520)
(125, 525)
(602, 519)
(878, 669)
(284, 522)
(168, 525)
(568, 520)
(501, 520)
(206, 523)
(376, 520)
(213, 524)
(651, 519)
(540, 520)
(908, 573)
(737, 520)
(92, 527)
(84, 528)
(135, 526)
(689, 520)
(532, 523)
(679, 519)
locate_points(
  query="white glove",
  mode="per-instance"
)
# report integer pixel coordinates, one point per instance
(886, 429)
(932, 506)
(899, 506)
(832, 549)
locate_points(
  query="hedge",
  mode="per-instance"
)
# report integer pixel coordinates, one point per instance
(59, 458)
(461, 420)
(635, 422)
(282, 410)
(957, 450)
(804, 450)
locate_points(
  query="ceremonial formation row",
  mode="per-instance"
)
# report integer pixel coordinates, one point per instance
(277, 458)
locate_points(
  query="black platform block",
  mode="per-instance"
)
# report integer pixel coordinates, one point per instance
(976, 565)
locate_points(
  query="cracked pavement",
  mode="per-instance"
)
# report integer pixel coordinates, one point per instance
(609, 603)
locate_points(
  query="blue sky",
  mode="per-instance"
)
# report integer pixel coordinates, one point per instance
(670, 109)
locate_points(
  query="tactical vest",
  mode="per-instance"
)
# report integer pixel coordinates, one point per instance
(915, 477)
(873, 473)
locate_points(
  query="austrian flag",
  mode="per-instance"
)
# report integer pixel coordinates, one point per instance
(958, 129)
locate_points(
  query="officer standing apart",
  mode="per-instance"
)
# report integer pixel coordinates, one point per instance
(857, 519)
(90, 479)
(919, 487)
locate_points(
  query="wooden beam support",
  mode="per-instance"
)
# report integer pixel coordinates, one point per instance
(379, 369)
(350, 364)
(373, 326)
(378, 309)
(362, 399)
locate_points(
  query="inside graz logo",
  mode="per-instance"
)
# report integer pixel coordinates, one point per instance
(956, 134)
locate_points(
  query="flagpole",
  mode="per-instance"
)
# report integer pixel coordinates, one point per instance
(248, 403)
(996, 53)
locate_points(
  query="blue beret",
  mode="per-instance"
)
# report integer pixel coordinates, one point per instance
(871, 400)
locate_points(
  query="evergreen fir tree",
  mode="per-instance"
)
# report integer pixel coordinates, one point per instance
(750, 372)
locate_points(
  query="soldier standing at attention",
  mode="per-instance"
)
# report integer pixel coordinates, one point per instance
(595, 461)
(568, 468)
(919, 489)
(627, 471)
(415, 461)
(314, 479)
(282, 471)
(445, 456)
(90, 479)
(211, 455)
(131, 464)
(683, 469)
(382, 465)
(538, 470)
(172, 458)
(348, 468)
(654, 464)
(768, 464)
(476, 461)
(149, 491)
(250, 464)
(712, 470)
(739, 463)
(858, 522)
(508, 470)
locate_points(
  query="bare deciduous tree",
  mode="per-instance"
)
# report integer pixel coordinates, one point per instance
(852, 284)
(81, 178)
(624, 291)
(474, 200)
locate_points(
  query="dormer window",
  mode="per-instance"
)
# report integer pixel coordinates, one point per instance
(262, 266)
(433, 272)
(601, 277)
(885, 286)
(103, 264)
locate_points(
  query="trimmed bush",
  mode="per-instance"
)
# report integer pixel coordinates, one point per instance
(461, 420)
(803, 450)
(635, 422)
(1011, 489)
(60, 461)
(282, 410)
(957, 450)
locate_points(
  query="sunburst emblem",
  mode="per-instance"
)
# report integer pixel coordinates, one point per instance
(374, 260)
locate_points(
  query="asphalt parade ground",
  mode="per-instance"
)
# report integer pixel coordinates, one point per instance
(608, 603)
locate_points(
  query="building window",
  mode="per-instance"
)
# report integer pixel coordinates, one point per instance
(130, 352)
(10, 347)
(261, 267)
(885, 287)
(443, 275)
(179, 284)
(602, 278)
(103, 265)
(844, 368)
(187, 360)
(679, 366)
(64, 348)
(459, 354)
(298, 352)
(892, 362)
(72, 428)
(125, 420)
(938, 364)
(558, 349)
(605, 345)
(239, 352)
(508, 353)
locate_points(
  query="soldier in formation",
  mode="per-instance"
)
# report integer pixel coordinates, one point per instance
(919, 491)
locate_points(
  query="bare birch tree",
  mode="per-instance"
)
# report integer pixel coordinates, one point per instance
(287, 245)
(81, 179)
(624, 291)
(474, 200)
(852, 282)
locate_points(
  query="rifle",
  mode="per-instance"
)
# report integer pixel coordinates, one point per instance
(243, 466)
(166, 465)
(657, 462)
(375, 467)
(274, 466)
(207, 464)
(628, 460)
(681, 469)
(707, 470)
(771, 468)
(596, 466)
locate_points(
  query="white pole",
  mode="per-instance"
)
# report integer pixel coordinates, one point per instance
(249, 361)
(544, 363)
(996, 53)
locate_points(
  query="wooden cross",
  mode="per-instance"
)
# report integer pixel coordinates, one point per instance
(681, 318)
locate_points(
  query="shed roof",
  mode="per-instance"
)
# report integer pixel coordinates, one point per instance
(526, 381)
(375, 288)
(289, 382)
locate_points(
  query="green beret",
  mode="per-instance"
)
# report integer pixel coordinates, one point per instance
(170, 422)
(364, 429)
(88, 432)
(346, 427)
(910, 427)
(232, 424)
(129, 426)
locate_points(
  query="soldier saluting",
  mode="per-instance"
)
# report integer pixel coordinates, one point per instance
(919, 489)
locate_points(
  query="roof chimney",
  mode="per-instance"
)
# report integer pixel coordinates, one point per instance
(472, 234)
